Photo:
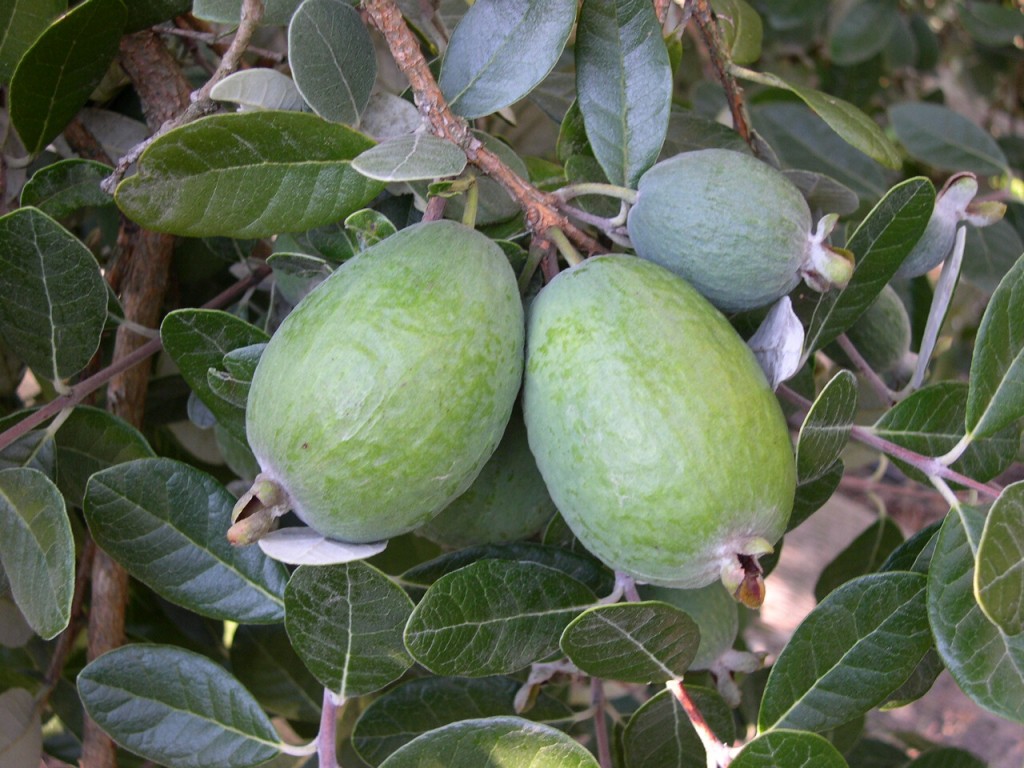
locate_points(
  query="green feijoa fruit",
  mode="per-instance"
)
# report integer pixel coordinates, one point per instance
(656, 432)
(881, 335)
(735, 228)
(715, 612)
(508, 501)
(386, 390)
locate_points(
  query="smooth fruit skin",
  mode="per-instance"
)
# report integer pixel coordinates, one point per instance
(386, 390)
(656, 432)
(882, 334)
(508, 501)
(732, 226)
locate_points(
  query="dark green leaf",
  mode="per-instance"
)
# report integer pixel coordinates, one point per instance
(197, 340)
(944, 139)
(811, 496)
(55, 300)
(619, 42)
(853, 126)
(875, 753)
(865, 554)
(500, 50)
(89, 440)
(803, 140)
(332, 60)
(946, 757)
(862, 30)
(915, 553)
(57, 74)
(34, 450)
(146, 13)
(990, 253)
(647, 642)
(368, 227)
(296, 274)
(996, 396)
(826, 428)
(248, 174)
(177, 708)
(580, 565)
(919, 683)
(859, 645)
(418, 157)
(991, 23)
(21, 22)
(880, 244)
(497, 615)
(931, 422)
(345, 622)
(999, 575)
(493, 742)
(424, 704)
(986, 663)
(37, 551)
(688, 130)
(741, 29)
(166, 523)
(659, 734)
(62, 188)
(266, 664)
(793, 749)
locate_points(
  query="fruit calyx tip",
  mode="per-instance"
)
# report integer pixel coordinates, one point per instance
(256, 511)
(744, 577)
(826, 266)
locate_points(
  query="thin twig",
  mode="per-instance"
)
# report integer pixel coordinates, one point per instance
(202, 104)
(211, 38)
(327, 751)
(882, 391)
(597, 701)
(712, 37)
(718, 753)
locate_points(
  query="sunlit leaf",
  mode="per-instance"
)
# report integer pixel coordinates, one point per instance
(418, 157)
(793, 749)
(826, 428)
(62, 188)
(660, 735)
(999, 574)
(259, 89)
(812, 495)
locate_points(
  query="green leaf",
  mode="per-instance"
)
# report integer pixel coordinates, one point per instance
(918, 684)
(812, 495)
(259, 89)
(915, 553)
(500, 50)
(426, 703)
(419, 157)
(276, 12)
(803, 140)
(55, 299)
(688, 130)
(500, 615)
(197, 341)
(21, 732)
(931, 422)
(332, 59)
(865, 554)
(647, 642)
(946, 757)
(582, 566)
(990, 252)
(660, 735)
(793, 749)
(826, 428)
(880, 244)
(742, 30)
(856, 129)
(999, 572)
(21, 22)
(492, 742)
(862, 31)
(34, 450)
(57, 74)
(175, 707)
(991, 24)
(62, 188)
(824, 193)
(944, 139)
(855, 648)
(264, 662)
(89, 440)
(986, 663)
(345, 622)
(249, 174)
(996, 396)
(146, 13)
(37, 551)
(618, 44)
(166, 523)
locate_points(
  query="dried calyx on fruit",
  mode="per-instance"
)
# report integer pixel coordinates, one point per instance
(387, 389)
(954, 204)
(654, 428)
(735, 228)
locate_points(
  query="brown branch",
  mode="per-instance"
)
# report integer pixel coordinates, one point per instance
(541, 212)
(707, 25)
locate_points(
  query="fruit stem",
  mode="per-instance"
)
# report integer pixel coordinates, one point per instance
(597, 701)
(882, 390)
(596, 188)
(327, 738)
(472, 205)
(568, 251)
(718, 754)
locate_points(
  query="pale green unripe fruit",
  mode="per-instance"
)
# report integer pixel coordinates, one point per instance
(386, 390)
(882, 334)
(715, 612)
(735, 228)
(656, 432)
(508, 501)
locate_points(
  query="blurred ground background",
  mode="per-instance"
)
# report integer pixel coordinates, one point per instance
(944, 715)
